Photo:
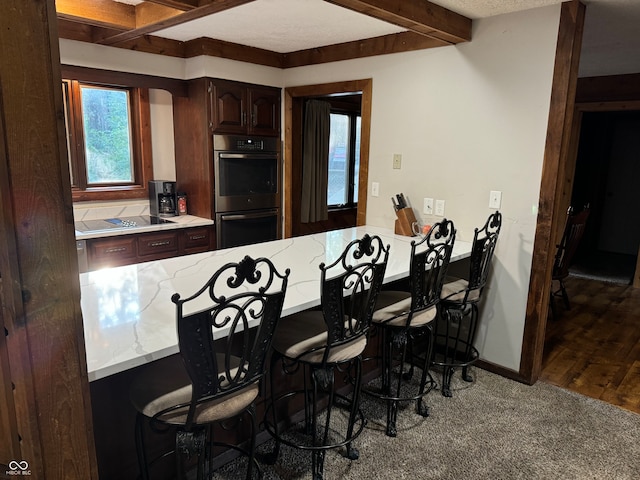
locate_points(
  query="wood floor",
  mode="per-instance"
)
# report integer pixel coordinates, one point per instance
(594, 348)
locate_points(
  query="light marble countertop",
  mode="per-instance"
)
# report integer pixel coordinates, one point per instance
(129, 319)
(182, 221)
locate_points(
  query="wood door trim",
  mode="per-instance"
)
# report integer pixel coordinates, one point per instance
(365, 87)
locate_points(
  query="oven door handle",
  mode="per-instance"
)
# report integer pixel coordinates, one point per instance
(245, 216)
(252, 156)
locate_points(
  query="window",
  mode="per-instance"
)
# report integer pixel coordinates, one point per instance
(344, 160)
(108, 148)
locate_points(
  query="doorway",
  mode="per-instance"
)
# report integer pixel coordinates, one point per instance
(606, 177)
(294, 100)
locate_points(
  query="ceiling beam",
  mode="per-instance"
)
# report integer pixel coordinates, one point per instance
(183, 5)
(419, 16)
(394, 43)
(213, 6)
(103, 13)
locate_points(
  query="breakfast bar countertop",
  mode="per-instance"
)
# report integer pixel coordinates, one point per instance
(128, 316)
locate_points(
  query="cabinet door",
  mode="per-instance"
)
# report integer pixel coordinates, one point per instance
(111, 252)
(196, 240)
(265, 111)
(228, 107)
(157, 245)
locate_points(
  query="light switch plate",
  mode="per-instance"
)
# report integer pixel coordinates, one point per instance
(495, 199)
(397, 161)
(375, 189)
(440, 208)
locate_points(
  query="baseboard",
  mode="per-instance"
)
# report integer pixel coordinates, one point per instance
(502, 371)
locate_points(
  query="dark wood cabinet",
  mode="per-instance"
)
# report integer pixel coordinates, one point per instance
(144, 247)
(214, 106)
(242, 109)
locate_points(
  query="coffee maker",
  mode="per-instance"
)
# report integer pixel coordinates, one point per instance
(162, 198)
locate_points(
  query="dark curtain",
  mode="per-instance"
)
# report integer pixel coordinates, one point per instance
(315, 162)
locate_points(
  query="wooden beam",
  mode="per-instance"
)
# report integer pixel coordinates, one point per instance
(38, 261)
(419, 16)
(215, 6)
(232, 51)
(395, 43)
(550, 218)
(97, 12)
(184, 5)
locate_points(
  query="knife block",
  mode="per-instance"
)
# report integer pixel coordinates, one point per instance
(405, 219)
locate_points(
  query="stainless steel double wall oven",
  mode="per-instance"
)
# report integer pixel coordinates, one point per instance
(247, 196)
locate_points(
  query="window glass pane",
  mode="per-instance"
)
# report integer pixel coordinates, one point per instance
(357, 161)
(107, 135)
(338, 190)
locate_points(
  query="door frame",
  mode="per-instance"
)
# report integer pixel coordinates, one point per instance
(365, 88)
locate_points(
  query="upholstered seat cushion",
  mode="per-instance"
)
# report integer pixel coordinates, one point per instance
(155, 391)
(306, 332)
(392, 309)
(454, 290)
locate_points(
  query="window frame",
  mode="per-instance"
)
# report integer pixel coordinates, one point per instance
(142, 159)
(351, 161)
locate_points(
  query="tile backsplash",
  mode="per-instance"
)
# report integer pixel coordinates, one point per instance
(82, 212)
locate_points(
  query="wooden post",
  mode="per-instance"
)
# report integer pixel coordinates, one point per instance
(45, 403)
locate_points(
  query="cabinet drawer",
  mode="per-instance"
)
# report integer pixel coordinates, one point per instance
(111, 251)
(157, 243)
(197, 239)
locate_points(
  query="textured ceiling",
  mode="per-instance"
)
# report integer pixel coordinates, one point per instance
(283, 26)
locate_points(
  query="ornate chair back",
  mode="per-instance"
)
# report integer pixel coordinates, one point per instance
(245, 304)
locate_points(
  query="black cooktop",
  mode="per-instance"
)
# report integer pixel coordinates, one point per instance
(119, 222)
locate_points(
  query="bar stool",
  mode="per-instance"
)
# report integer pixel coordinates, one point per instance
(402, 317)
(217, 381)
(456, 327)
(318, 343)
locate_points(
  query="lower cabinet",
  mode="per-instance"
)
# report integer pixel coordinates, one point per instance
(144, 247)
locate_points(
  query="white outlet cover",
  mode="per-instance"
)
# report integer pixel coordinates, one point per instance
(495, 199)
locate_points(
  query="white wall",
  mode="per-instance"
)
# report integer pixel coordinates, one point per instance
(467, 119)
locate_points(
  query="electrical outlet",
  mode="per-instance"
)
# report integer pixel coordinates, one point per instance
(375, 189)
(397, 161)
(427, 206)
(495, 198)
(440, 208)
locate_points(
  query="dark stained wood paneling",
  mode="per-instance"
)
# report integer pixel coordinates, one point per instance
(612, 88)
(425, 18)
(395, 43)
(45, 343)
(553, 174)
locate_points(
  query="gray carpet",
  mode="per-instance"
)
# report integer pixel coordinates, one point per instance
(492, 429)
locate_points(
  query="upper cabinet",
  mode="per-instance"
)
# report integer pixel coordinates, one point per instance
(214, 106)
(244, 109)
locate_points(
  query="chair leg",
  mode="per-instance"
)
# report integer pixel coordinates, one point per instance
(565, 296)
(140, 447)
(421, 408)
(272, 457)
(320, 378)
(447, 373)
(252, 441)
(352, 453)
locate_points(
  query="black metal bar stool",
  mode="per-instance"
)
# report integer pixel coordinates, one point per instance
(215, 383)
(402, 318)
(455, 329)
(320, 344)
